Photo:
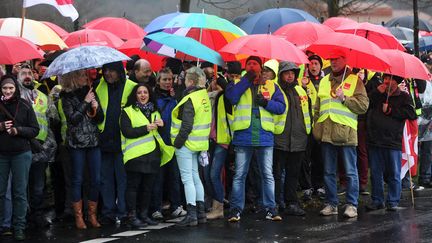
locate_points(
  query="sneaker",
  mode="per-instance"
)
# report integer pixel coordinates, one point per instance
(157, 215)
(178, 212)
(329, 210)
(393, 208)
(273, 216)
(234, 216)
(19, 235)
(350, 211)
(321, 193)
(341, 191)
(307, 194)
(6, 231)
(363, 191)
(295, 210)
(374, 206)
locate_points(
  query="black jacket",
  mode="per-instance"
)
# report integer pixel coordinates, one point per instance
(82, 131)
(25, 123)
(386, 130)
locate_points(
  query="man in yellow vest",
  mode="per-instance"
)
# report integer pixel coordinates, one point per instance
(290, 146)
(341, 98)
(112, 91)
(257, 104)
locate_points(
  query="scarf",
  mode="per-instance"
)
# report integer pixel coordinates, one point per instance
(146, 109)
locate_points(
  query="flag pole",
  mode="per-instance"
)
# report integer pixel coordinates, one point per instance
(23, 13)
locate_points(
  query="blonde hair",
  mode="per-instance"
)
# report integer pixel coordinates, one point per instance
(196, 75)
(69, 81)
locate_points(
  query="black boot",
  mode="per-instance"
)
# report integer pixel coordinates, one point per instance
(201, 213)
(191, 217)
(133, 221)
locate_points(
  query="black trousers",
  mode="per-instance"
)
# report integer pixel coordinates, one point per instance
(292, 163)
(139, 185)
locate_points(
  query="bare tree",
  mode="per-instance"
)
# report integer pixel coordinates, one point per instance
(342, 7)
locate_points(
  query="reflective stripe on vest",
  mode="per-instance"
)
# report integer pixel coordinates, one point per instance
(102, 92)
(304, 103)
(40, 106)
(198, 139)
(413, 94)
(333, 108)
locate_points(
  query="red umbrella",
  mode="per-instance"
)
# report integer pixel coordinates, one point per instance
(265, 46)
(121, 27)
(86, 35)
(378, 34)
(133, 47)
(425, 33)
(406, 65)
(59, 30)
(310, 32)
(360, 52)
(335, 22)
(16, 49)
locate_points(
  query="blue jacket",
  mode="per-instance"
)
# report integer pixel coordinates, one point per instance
(165, 104)
(254, 135)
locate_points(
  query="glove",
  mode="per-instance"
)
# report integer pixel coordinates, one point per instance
(251, 76)
(261, 101)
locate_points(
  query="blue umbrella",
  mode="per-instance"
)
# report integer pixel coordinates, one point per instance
(83, 57)
(177, 46)
(160, 22)
(425, 44)
(268, 21)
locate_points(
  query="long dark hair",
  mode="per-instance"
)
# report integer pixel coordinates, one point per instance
(131, 101)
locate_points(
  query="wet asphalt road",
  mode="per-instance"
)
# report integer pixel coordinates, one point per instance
(407, 225)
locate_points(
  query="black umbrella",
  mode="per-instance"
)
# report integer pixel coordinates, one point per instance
(408, 22)
(404, 35)
(49, 58)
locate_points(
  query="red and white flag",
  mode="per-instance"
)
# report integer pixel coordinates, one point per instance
(409, 148)
(65, 7)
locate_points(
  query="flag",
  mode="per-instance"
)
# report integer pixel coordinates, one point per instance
(65, 7)
(409, 148)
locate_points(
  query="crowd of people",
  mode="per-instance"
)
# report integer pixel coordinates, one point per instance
(118, 142)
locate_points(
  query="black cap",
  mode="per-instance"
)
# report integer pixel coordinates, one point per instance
(316, 57)
(255, 58)
(234, 67)
(206, 64)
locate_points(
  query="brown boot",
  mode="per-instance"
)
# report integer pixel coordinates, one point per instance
(217, 211)
(92, 212)
(79, 221)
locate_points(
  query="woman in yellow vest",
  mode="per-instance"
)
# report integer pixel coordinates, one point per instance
(190, 130)
(143, 149)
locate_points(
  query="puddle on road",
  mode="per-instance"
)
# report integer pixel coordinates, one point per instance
(326, 227)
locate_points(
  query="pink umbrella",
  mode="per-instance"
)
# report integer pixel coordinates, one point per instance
(335, 22)
(406, 65)
(376, 33)
(310, 32)
(85, 36)
(16, 49)
(59, 30)
(121, 27)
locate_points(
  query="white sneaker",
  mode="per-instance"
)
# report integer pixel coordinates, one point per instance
(179, 212)
(350, 211)
(329, 210)
(157, 215)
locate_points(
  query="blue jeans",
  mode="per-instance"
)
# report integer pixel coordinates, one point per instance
(425, 160)
(187, 161)
(37, 185)
(79, 157)
(330, 154)
(243, 155)
(219, 156)
(113, 185)
(19, 166)
(7, 218)
(385, 161)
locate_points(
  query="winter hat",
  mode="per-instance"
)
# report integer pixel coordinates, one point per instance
(116, 66)
(255, 58)
(316, 57)
(206, 64)
(234, 67)
(7, 80)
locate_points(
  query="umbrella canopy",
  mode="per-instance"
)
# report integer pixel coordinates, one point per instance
(378, 34)
(360, 52)
(408, 22)
(404, 35)
(335, 22)
(159, 22)
(83, 57)
(425, 44)
(34, 31)
(133, 47)
(180, 47)
(425, 33)
(406, 65)
(242, 18)
(269, 20)
(310, 33)
(59, 30)
(265, 46)
(16, 49)
(79, 37)
(121, 27)
(49, 58)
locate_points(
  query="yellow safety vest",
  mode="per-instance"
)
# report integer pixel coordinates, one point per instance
(413, 94)
(332, 107)
(135, 147)
(40, 106)
(198, 139)
(223, 131)
(304, 102)
(269, 122)
(310, 87)
(102, 92)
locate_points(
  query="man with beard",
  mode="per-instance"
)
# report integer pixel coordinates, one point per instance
(142, 73)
